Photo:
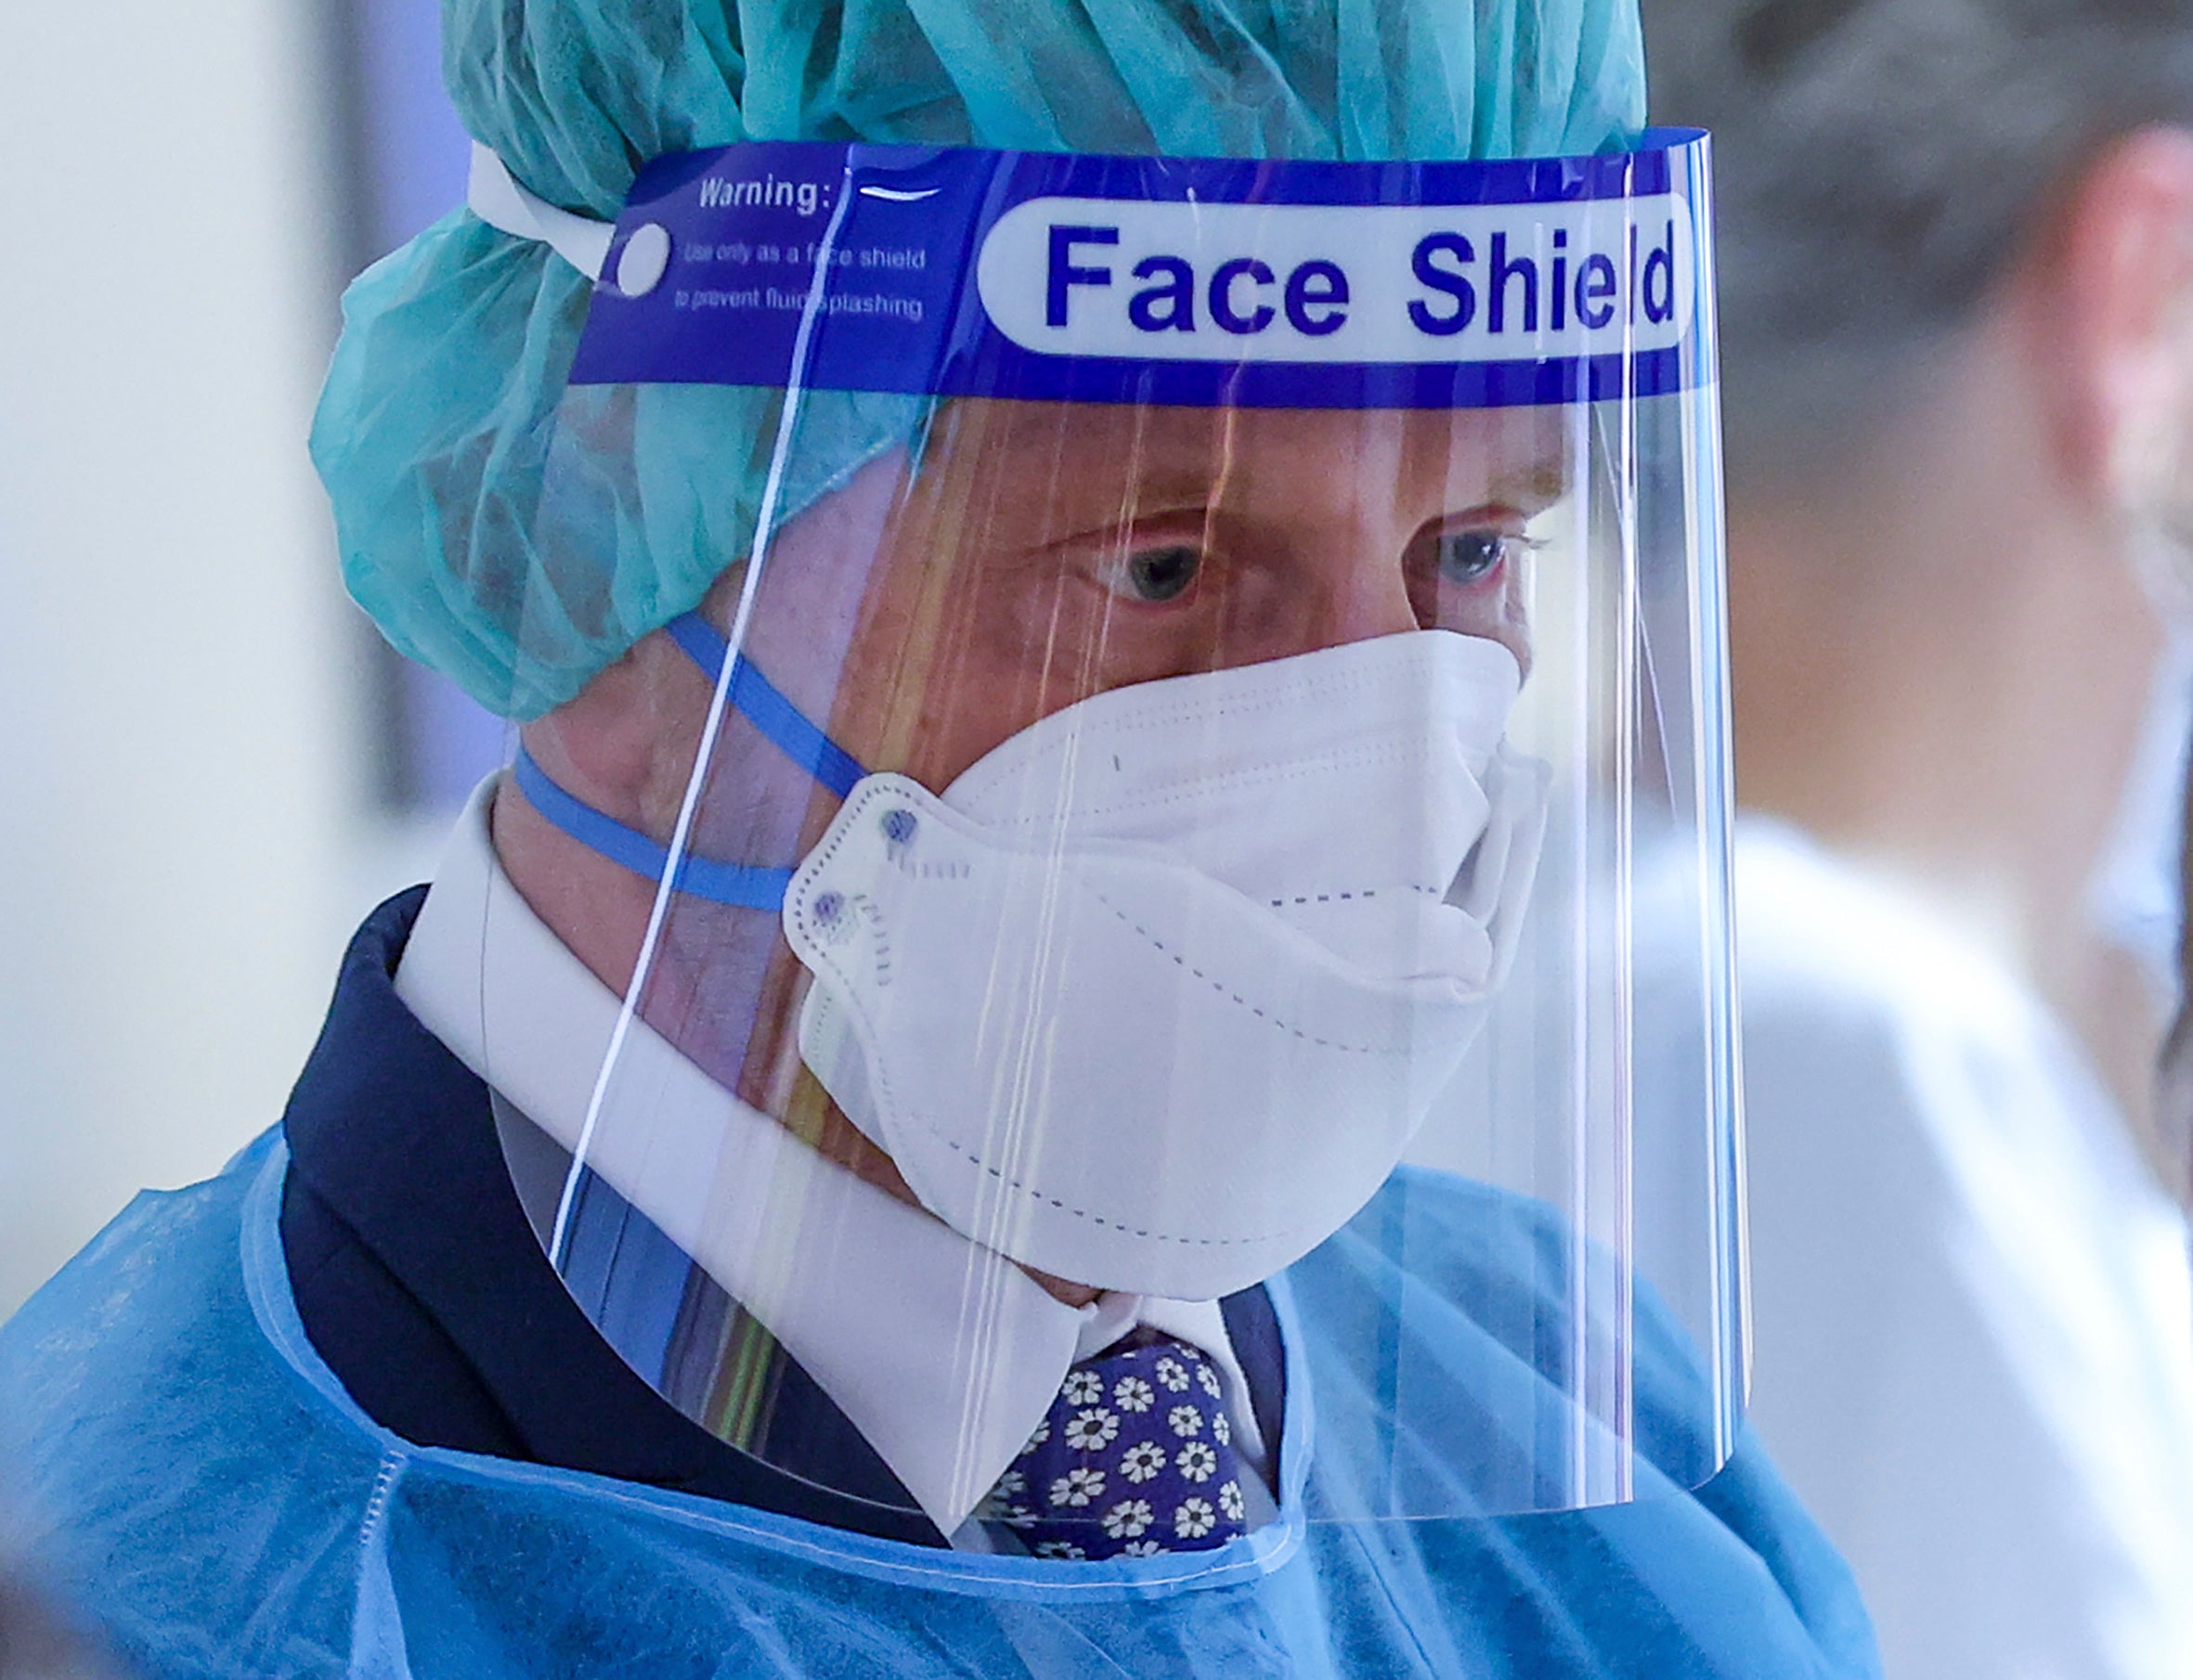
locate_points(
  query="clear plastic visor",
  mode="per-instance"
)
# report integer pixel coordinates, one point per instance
(1242, 882)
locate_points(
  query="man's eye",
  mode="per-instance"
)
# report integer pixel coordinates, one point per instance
(1159, 575)
(1465, 557)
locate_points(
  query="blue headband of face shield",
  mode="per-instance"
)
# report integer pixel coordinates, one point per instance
(1201, 282)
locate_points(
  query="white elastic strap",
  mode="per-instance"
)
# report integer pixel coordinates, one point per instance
(493, 194)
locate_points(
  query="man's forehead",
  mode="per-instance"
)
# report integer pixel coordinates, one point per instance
(1515, 454)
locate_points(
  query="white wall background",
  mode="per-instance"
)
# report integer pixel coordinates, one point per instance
(185, 832)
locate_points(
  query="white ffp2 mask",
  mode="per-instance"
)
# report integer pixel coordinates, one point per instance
(1154, 996)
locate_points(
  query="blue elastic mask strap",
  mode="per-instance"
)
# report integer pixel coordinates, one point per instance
(756, 698)
(738, 883)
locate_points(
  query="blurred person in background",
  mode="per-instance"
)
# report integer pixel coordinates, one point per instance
(584, 1315)
(1957, 242)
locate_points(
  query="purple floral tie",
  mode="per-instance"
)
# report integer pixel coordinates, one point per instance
(1135, 1457)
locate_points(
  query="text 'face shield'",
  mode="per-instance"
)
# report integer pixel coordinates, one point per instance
(1207, 808)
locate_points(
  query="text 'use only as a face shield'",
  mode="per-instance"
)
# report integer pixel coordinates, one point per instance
(1201, 818)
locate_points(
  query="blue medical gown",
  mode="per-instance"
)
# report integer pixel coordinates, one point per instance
(199, 1479)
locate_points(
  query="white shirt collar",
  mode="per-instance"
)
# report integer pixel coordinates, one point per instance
(943, 1354)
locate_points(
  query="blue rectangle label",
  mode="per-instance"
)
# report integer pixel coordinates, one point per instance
(956, 272)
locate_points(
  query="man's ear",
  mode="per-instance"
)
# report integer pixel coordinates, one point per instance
(624, 743)
(2111, 281)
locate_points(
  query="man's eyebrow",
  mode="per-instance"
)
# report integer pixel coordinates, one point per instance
(1533, 487)
(1177, 486)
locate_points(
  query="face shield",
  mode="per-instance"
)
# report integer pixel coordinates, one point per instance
(1206, 796)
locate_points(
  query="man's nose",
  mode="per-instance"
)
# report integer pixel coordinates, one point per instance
(1359, 593)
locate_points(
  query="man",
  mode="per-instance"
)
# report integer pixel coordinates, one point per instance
(881, 1150)
(1944, 393)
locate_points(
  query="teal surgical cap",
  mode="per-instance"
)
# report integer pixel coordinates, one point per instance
(519, 536)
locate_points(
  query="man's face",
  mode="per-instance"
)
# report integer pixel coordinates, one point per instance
(1044, 552)
(1032, 555)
